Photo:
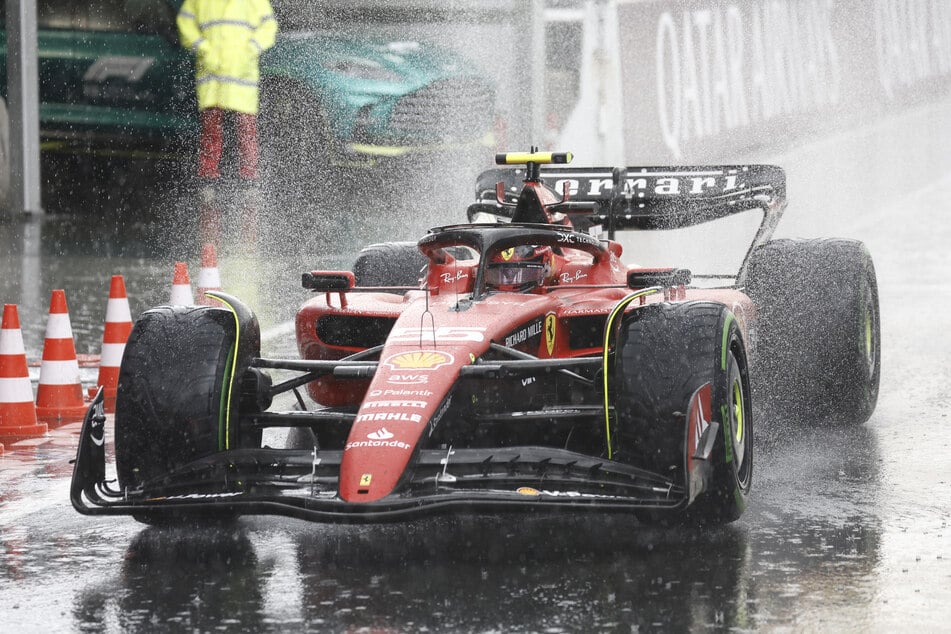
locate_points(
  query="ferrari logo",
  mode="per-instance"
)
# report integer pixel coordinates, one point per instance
(508, 253)
(550, 323)
(365, 479)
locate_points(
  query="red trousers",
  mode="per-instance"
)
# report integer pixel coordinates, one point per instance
(209, 152)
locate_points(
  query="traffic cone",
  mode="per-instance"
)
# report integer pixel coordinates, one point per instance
(181, 287)
(17, 411)
(208, 277)
(59, 396)
(116, 332)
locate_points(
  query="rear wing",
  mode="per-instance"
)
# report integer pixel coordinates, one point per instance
(654, 197)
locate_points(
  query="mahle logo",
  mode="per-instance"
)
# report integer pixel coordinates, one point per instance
(419, 360)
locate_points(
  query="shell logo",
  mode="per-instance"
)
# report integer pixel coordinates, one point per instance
(529, 491)
(419, 360)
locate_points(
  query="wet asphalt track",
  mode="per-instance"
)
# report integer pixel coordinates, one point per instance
(847, 531)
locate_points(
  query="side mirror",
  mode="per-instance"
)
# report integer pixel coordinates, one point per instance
(328, 281)
(643, 278)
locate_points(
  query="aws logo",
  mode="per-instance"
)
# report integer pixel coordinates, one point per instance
(419, 360)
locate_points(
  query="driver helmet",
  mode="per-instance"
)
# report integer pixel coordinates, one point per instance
(520, 268)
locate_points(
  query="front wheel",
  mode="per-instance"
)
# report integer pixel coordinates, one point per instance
(179, 390)
(681, 367)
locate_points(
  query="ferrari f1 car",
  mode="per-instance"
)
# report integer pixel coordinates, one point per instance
(522, 367)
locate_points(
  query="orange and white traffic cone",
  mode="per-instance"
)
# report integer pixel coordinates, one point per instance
(181, 287)
(208, 277)
(17, 411)
(115, 334)
(59, 396)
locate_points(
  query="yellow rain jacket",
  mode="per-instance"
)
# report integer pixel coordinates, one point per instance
(227, 37)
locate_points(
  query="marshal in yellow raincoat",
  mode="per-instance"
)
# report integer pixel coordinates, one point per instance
(227, 37)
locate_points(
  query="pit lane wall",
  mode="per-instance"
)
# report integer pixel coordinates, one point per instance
(704, 81)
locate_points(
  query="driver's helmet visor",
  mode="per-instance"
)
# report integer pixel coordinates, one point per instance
(514, 274)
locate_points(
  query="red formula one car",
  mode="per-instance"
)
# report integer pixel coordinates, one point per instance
(522, 367)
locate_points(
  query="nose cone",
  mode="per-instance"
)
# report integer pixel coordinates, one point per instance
(407, 391)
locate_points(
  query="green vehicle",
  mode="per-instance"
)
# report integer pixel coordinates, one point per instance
(113, 76)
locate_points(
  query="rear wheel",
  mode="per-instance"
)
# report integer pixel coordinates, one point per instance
(179, 390)
(667, 354)
(818, 351)
(389, 264)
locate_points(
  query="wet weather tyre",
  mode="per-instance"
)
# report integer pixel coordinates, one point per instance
(389, 264)
(818, 351)
(172, 404)
(665, 354)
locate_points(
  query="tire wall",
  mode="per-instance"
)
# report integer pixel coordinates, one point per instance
(706, 81)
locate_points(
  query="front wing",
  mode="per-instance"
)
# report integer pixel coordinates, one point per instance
(303, 484)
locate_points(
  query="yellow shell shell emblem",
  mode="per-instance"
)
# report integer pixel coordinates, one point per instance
(419, 360)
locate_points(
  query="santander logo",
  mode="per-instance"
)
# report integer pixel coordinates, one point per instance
(380, 434)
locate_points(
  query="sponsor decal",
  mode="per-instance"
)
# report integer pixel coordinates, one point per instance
(713, 77)
(419, 360)
(549, 412)
(394, 404)
(196, 496)
(403, 393)
(699, 417)
(532, 492)
(569, 278)
(365, 479)
(525, 333)
(577, 238)
(445, 334)
(400, 417)
(438, 416)
(381, 434)
(550, 326)
(408, 379)
(700, 425)
(644, 183)
(449, 278)
(374, 444)
(528, 381)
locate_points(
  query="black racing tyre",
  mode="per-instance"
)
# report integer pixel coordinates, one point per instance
(172, 400)
(818, 330)
(665, 353)
(389, 264)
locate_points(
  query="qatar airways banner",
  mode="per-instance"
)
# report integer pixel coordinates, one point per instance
(706, 80)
